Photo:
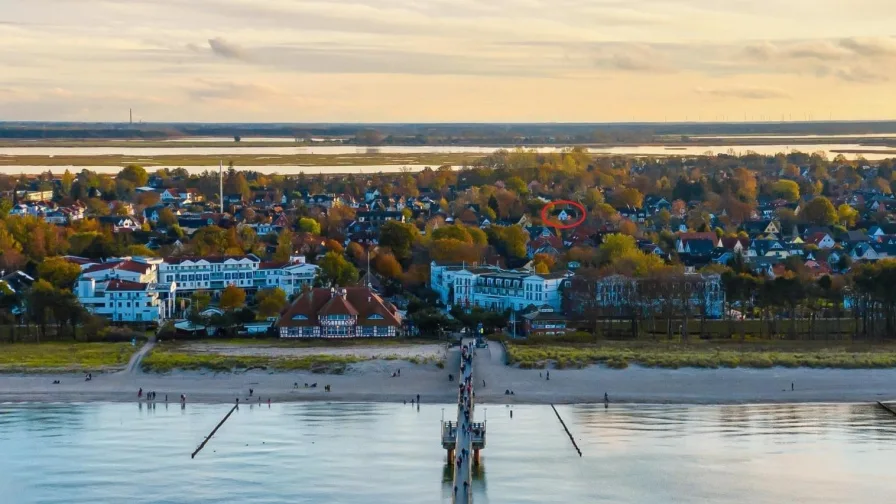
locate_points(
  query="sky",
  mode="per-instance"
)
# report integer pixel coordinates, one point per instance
(447, 60)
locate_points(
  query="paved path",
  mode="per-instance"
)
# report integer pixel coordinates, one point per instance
(463, 475)
(134, 363)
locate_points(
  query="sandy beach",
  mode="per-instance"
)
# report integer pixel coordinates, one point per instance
(372, 381)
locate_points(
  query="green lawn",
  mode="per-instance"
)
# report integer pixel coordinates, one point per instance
(673, 356)
(64, 356)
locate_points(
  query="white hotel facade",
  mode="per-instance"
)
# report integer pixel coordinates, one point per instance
(247, 272)
(495, 289)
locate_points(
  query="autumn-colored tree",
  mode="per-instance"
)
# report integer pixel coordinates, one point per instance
(167, 217)
(309, 225)
(628, 227)
(820, 211)
(134, 175)
(847, 215)
(270, 302)
(399, 238)
(510, 241)
(11, 257)
(337, 271)
(546, 260)
(60, 273)
(232, 298)
(357, 253)
(786, 189)
(452, 250)
(387, 266)
(628, 197)
(284, 246)
(334, 246)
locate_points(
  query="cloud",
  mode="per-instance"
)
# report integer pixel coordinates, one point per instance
(870, 46)
(744, 93)
(227, 50)
(861, 75)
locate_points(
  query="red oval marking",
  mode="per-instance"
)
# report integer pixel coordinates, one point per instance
(549, 223)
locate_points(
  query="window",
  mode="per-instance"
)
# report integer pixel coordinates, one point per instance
(375, 316)
(300, 317)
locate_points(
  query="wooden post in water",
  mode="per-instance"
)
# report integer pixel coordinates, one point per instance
(201, 446)
(574, 445)
(884, 406)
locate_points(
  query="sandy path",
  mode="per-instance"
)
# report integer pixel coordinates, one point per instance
(137, 358)
(373, 381)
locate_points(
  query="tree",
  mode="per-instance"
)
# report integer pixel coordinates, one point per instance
(133, 174)
(357, 253)
(60, 273)
(387, 266)
(140, 251)
(11, 257)
(309, 225)
(847, 215)
(455, 232)
(200, 300)
(628, 227)
(629, 197)
(284, 246)
(398, 237)
(337, 271)
(510, 241)
(167, 217)
(786, 189)
(271, 302)
(820, 211)
(232, 298)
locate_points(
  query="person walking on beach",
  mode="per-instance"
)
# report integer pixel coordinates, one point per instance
(791, 386)
(548, 375)
(140, 393)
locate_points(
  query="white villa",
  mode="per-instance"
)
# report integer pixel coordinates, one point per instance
(125, 301)
(495, 289)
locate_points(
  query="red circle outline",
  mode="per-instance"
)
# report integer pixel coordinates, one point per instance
(547, 222)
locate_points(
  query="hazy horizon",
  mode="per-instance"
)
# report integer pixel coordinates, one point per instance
(463, 61)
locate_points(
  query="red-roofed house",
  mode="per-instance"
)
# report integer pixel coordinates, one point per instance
(352, 312)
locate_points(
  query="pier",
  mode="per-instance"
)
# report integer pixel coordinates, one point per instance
(464, 438)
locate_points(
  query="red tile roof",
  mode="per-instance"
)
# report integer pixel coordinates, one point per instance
(360, 302)
(132, 266)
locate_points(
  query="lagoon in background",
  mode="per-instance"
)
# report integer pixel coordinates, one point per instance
(379, 453)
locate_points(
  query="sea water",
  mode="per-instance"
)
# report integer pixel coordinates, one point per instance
(388, 453)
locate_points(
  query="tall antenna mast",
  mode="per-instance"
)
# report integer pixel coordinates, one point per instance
(221, 182)
(368, 268)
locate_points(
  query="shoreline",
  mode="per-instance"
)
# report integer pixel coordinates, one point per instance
(395, 381)
(634, 385)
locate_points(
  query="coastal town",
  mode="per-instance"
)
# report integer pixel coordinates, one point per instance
(523, 245)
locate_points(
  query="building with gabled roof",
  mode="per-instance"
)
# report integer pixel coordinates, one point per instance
(350, 312)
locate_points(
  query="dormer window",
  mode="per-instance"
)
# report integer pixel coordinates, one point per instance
(300, 317)
(375, 316)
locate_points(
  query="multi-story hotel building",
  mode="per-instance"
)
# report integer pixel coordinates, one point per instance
(495, 289)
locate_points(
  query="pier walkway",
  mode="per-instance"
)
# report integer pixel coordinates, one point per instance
(463, 439)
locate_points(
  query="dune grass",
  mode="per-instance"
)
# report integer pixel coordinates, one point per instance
(678, 356)
(163, 360)
(54, 356)
(166, 360)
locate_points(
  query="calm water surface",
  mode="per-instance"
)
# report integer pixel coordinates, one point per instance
(338, 150)
(386, 453)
